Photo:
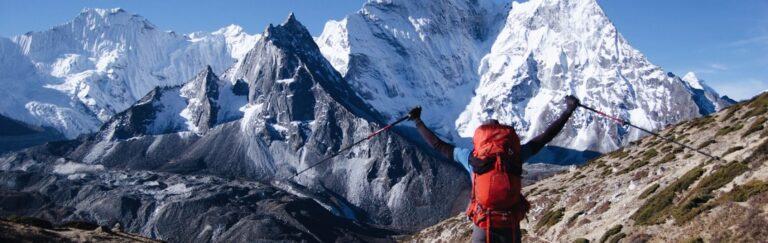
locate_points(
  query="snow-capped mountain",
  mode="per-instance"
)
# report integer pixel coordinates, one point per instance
(705, 97)
(79, 74)
(296, 110)
(397, 54)
(198, 105)
(512, 63)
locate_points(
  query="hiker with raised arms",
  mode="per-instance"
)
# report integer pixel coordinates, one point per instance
(496, 163)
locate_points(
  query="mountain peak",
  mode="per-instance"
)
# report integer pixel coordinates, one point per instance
(693, 80)
(103, 12)
(288, 29)
(108, 17)
(291, 18)
(230, 30)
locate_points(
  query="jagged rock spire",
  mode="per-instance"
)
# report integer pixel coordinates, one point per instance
(202, 95)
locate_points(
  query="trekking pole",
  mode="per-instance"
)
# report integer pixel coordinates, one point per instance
(387, 127)
(624, 122)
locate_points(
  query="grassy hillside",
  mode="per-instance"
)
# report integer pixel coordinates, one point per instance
(655, 191)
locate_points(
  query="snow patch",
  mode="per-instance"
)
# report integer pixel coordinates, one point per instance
(285, 81)
(75, 171)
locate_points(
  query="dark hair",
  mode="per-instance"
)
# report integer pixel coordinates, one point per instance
(491, 121)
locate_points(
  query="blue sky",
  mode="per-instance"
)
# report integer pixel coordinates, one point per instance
(724, 42)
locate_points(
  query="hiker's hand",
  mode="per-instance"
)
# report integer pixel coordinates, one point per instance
(415, 114)
(572, 102)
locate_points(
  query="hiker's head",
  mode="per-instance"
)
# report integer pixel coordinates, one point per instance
(491, 121)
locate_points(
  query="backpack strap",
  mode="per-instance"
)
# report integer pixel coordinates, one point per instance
(488, 229)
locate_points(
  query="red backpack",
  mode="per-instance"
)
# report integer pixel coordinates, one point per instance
(496, 201)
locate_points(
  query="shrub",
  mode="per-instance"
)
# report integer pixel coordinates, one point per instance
(755, 111)
(707, 143)
(607, 171)
(655, 209)
(650, 154)
(617, 238)
(758, 106)
(598, 163)
(701, 121)
(728, 129)
(652, 143)
(668, 157)
(612, 231)
(721, 177)
(650, 190)
(636, 164)
(694, 240)
(666, 148)
(757, 125)
(731, 110)
(620, 154)
(550, 218)
(696, 201)
(742, 193)
(575, 175)
(574, 217)
(732, 149)
(581, 240)
(678, 150)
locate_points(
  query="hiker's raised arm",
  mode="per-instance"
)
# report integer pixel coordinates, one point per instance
(441, 146)
(537, 143)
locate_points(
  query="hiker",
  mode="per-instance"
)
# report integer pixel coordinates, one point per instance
(496, 164)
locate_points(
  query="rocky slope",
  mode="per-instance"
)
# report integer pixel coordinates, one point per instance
(654, 191)
(36, 230)
(297, 110)
(15, 135)
(467, 61)
(175, 208)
